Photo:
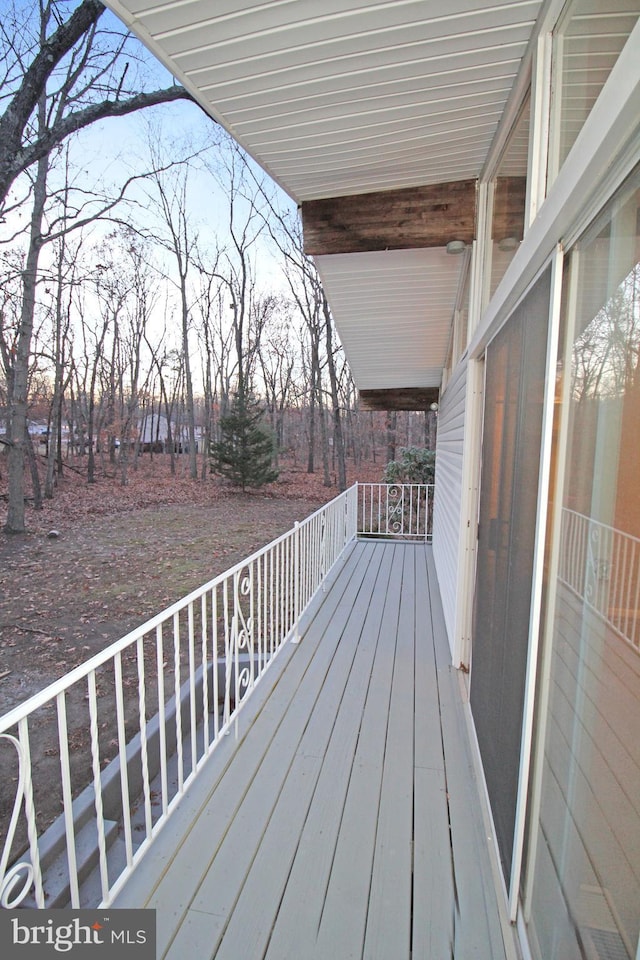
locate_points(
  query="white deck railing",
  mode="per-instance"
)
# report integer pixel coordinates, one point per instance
(137, 721)
(602, 566)
(116, 742)
(398, 510)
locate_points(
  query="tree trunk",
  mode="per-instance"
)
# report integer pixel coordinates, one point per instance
(338, 438)
(191, 423)
(15, 522)
(56, 404)
(33, 469)
(324, 442)
(392, 422)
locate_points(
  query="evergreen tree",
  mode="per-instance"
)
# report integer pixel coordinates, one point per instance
(244, 452)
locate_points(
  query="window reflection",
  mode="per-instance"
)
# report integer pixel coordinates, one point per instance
(587, 44)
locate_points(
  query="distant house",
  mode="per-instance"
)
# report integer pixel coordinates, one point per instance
(153, 434)
(37, 431)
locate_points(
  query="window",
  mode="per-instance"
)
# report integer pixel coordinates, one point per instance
(509, 199)
(587, 43)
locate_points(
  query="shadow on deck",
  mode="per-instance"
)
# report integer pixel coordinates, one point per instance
(343, 819)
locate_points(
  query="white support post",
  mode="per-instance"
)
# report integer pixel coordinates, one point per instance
(296, 583)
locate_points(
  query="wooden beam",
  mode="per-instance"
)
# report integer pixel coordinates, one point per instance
(404, 219)
(402, 398)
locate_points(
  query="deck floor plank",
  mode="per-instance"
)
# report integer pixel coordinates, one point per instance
(299, 915)
(433, 896)
(246, 813)
(390, 900)
(343, 822)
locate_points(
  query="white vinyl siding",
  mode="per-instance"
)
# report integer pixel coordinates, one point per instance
(448, 492)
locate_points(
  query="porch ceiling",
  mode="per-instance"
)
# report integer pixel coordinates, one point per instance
(352, 97)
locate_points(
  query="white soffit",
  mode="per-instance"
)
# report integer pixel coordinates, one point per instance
(390, 337)
(346, 96)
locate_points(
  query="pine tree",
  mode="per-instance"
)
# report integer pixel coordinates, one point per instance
(245, 450)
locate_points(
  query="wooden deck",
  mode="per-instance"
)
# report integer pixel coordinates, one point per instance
(343, 820)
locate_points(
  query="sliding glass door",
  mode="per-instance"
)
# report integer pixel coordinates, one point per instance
(582, 895)
(514, 393)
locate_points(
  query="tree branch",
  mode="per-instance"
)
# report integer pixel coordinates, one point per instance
(16, 154)
(34, 82)
(83, 118)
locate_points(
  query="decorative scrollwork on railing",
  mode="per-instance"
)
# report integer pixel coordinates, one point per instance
(242, 629)
(16, 881)
(395, 510)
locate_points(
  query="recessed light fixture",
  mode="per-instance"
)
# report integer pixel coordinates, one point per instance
(456, 246)
(507, 244)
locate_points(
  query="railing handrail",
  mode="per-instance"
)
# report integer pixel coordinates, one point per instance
(52, 690)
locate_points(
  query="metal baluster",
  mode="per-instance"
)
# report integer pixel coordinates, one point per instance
(162, 719)
(214, 637)
(122, 751)
(176, 694)
(97, 785)
(10, 879)
(67, 798)
(205, 675)
(144, 754)
(192, 690)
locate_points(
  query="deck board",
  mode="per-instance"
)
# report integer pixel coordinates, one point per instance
(324, 831)
(390, 901)
(432, 867)
(252, 802)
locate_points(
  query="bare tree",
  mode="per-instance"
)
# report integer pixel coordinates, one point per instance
(17, 421)
(278, 363)
(63, 282)
(307, 291)
(181, 241)
(140, 299)
(236, 263)
(210, 310)
(338, 436)
(89, 378)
